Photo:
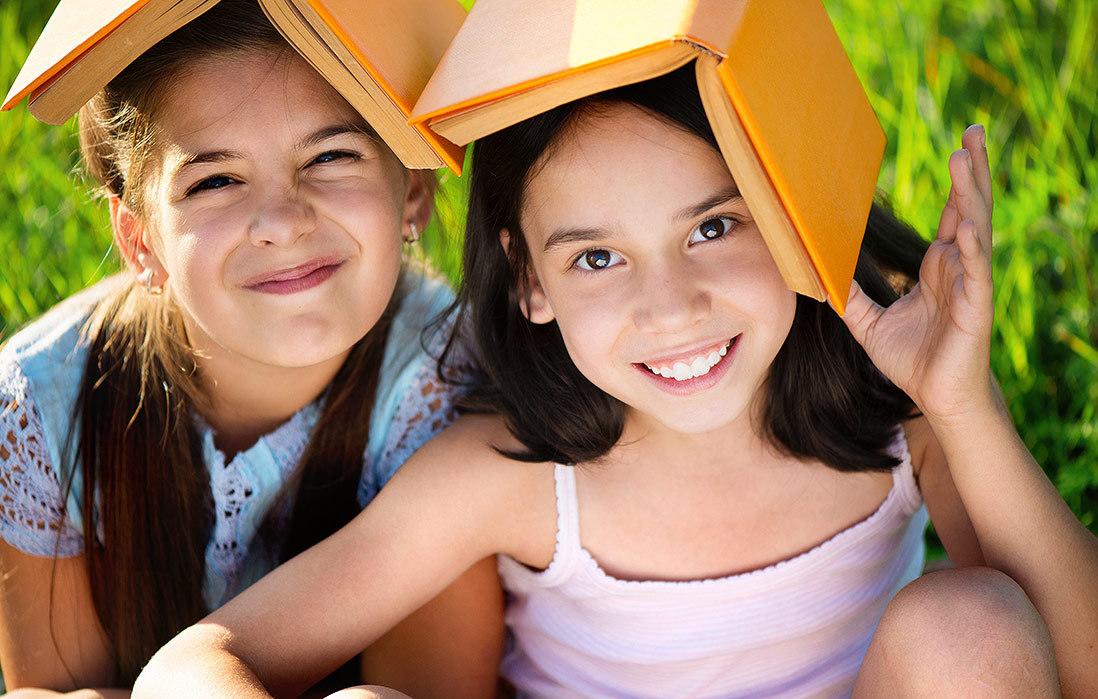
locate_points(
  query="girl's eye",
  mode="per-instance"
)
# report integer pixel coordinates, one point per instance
(215, 182)
(334, 156)
(711, 229)
(593, 260)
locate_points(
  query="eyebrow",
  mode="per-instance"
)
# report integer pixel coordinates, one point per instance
(563, 236)
(722, 197)
(220, 156)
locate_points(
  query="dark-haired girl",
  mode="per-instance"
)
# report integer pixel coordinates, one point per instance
(258, 373)
(698, 483)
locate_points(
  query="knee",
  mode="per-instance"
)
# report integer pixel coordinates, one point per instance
(971, 630)
(368, 692)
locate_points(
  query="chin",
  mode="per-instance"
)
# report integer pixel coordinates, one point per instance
(306, 346)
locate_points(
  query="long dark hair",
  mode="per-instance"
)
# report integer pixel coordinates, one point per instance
(138, 448)
(824, 398)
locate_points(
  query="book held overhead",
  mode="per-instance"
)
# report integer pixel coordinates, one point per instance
(378, 54)
(791, 118)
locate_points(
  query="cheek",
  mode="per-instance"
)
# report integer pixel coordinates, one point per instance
(591, 318)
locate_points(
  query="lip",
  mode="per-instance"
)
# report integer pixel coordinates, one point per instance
(686, 353)
(290, 280)
(700, 383)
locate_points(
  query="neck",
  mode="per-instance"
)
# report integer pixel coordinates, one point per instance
(248, 399)
(739, 445)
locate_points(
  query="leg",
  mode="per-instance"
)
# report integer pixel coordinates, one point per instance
(967, 632)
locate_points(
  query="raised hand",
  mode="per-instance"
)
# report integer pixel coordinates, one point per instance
(934, 342)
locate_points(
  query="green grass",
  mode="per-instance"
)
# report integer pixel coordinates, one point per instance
(1025, 68)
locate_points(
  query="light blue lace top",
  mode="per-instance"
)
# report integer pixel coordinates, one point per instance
(40, 372)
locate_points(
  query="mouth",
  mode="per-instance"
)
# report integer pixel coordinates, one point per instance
(694, 371)
(291, 280)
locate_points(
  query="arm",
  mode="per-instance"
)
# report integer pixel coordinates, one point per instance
(450, 647)
(50, 637)
(62, 651)
(437, 517)
(934, 343)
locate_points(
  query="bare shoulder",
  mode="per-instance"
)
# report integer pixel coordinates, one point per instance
(518, 498)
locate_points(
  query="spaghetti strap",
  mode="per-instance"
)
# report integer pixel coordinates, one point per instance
(568, 533)
(903, 475)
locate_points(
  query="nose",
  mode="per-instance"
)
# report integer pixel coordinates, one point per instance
(671, 299)
(281, 220)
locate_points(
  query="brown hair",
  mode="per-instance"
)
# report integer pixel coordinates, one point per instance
(145, 481)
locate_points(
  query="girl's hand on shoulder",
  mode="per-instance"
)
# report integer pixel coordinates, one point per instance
(934, 342)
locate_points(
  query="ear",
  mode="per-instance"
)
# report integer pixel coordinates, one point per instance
(130, 236)
(534, 303)
(419, 201)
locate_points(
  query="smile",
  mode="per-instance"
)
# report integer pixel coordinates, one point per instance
(692, 367)
(295, 279)
(694, 371)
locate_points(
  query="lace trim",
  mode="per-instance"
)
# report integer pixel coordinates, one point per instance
(426, 408)
(32, 509)
(234, 492)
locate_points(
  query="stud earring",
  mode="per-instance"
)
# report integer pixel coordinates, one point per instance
(413, 233)
(146, 279)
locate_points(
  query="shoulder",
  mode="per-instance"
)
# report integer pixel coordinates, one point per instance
(51, 340)
(516, 498)
(413, 402)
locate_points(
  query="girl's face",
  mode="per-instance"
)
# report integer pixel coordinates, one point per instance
(276, 222)
(647, 257)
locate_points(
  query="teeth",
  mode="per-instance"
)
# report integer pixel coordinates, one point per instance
(698, 366)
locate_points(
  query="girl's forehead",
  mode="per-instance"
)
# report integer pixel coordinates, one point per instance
(619, 164)
(257, 94)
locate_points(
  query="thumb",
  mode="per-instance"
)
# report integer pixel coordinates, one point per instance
(861, 314)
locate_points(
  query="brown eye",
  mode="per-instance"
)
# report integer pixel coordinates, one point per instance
(594, 260)
(711, 229)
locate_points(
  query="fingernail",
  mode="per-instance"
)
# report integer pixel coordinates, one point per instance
(983, 135)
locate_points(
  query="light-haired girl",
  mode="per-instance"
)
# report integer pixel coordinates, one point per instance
(262, 369)
(700, 484)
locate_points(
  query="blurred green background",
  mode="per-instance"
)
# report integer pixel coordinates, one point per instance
(1026, 68)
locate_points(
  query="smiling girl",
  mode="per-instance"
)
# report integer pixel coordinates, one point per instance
(699, 483)
(172, 434)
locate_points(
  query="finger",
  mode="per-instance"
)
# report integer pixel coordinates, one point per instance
(974, 141)
(861, 314)
(947, 224)
(969, 200)
(976, 263)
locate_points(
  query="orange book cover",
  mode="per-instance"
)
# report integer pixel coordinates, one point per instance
(782, 66)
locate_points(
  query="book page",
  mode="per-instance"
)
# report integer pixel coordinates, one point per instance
(74, 27)
(762, 201)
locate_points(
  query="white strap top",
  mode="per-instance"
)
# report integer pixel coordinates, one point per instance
(796, 628)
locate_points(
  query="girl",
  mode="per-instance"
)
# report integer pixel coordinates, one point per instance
(700, 484)
(171, 435)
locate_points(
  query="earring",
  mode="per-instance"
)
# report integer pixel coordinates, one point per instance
(413, 233)
(146, 278)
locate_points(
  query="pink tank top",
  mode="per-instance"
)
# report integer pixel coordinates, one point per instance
(798, 628)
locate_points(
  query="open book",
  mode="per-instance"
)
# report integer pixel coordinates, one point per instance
(793, 123)
(378, 54)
